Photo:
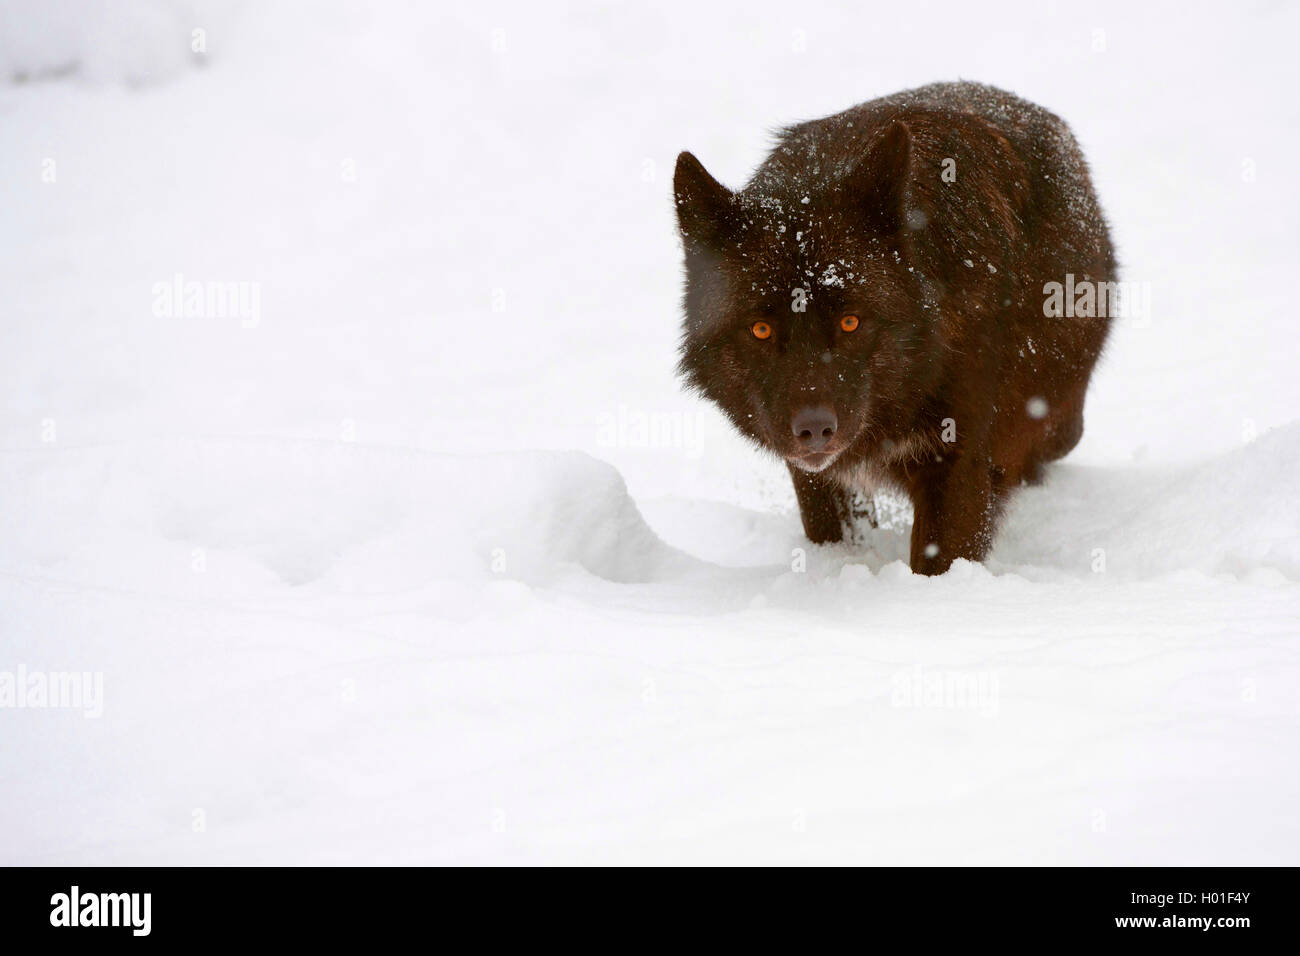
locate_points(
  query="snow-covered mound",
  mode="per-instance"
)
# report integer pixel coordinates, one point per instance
(339, 516)
(1236, 514)
(226, 518)
(292, 631)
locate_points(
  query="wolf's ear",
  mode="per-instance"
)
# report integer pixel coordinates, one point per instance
(881, 179)
(704, 205)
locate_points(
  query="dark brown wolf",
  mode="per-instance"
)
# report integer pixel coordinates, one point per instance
(873, 307)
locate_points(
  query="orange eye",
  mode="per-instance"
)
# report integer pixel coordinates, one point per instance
(849, 323)
(761, 330)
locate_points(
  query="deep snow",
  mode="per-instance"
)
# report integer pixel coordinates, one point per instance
(430, 559)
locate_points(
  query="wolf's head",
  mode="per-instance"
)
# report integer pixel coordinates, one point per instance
(808, 318)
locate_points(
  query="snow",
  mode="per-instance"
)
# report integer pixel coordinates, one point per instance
(435, 562)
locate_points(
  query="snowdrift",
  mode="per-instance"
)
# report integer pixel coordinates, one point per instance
(228, 518)
(433, 657)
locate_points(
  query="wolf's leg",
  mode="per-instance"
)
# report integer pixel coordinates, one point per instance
(823, 506)
(954, 510)
(1062, 435)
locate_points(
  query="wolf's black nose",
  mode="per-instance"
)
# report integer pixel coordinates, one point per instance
(814, 427)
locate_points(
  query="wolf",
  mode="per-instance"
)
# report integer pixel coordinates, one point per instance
(869, 307)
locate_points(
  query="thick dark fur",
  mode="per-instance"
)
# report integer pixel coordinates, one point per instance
(955, 387)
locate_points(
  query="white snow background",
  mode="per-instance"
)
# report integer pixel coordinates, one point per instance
(432, 561)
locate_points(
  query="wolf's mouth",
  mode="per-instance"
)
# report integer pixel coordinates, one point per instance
(814, 461)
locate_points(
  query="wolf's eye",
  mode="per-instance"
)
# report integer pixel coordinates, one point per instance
(849, 323)
(761, 330)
